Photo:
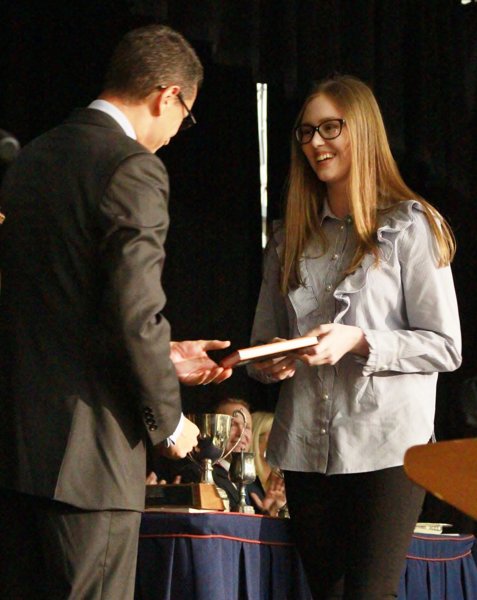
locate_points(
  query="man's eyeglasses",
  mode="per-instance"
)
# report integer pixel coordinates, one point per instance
(328, 130)
(189, 120)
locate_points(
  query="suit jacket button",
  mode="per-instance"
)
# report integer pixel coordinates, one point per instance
(152, 427)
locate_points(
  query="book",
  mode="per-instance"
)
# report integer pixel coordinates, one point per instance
(435, 528)
(266, 351)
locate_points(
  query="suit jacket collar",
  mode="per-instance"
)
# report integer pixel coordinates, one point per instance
(118, 115)
(92, 116)
(221, 478)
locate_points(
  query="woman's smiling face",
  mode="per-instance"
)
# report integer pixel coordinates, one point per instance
(329, 159)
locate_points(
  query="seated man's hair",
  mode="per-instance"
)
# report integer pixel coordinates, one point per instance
(225, 401)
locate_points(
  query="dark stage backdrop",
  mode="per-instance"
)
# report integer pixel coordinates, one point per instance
(420, 56)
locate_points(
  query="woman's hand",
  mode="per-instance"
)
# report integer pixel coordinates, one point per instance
(275, 497)
(277, 369)
(151, 479)
(335, 340)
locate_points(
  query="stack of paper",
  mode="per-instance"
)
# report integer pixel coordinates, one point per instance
(436, 528)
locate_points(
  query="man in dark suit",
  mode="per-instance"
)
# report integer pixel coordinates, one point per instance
(88, 375)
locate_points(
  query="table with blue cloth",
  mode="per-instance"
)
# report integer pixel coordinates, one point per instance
(217, 556)
(439, 567)
(230, 556)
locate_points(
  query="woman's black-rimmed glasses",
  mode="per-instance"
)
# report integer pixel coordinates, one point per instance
(328, 130)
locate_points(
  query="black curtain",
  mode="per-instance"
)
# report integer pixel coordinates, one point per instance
(213, 266)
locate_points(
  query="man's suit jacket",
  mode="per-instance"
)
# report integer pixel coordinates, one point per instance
(85, 373)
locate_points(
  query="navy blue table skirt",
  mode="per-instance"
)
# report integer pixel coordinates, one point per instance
(217, 556)
(439, 568)
(223, 556)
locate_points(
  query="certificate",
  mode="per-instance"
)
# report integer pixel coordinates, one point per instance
(266, 351)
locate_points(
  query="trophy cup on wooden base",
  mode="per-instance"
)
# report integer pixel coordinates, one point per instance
(213, 440)
(212, 446)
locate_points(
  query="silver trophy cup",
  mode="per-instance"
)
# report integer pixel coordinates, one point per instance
(242, 471)
(213, 440)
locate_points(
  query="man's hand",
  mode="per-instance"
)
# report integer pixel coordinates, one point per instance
(184, 443)
(194, 366)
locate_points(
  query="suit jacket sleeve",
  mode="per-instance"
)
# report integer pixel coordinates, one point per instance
(134, 207)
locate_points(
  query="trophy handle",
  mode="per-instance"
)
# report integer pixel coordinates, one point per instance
(237, 412)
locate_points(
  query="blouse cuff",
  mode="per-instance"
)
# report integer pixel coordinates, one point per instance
(382, 351)
(371, 362)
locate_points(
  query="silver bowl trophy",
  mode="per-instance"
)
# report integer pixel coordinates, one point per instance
(242, 471)
(214, 435)
(212, 445)
(213, 440)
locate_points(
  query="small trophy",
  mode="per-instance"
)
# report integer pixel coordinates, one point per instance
(242, 471)
(212, 446)
(213, 440)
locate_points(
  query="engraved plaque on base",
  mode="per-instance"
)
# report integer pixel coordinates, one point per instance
(194, 495)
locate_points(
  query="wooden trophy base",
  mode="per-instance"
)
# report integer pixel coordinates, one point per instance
(187, 495)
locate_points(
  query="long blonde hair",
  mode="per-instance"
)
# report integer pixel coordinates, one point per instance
(262, 424)
(374, 183)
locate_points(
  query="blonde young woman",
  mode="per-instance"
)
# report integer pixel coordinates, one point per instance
(262, 424)
(362, 262)
(271, 480)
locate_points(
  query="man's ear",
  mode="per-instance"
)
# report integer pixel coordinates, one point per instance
(166, 97)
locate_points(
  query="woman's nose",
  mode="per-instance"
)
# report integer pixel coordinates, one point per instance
(317, 140)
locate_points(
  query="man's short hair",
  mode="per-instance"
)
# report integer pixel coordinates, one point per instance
(150, 57)
(225, 401)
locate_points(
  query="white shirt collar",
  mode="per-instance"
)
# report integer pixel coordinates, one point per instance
(327, 212)
(114, 112)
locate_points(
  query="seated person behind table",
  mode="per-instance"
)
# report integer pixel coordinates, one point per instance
(221, 469)
(186, 471)
(272, 496)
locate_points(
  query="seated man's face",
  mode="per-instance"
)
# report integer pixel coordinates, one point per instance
(237, 425)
